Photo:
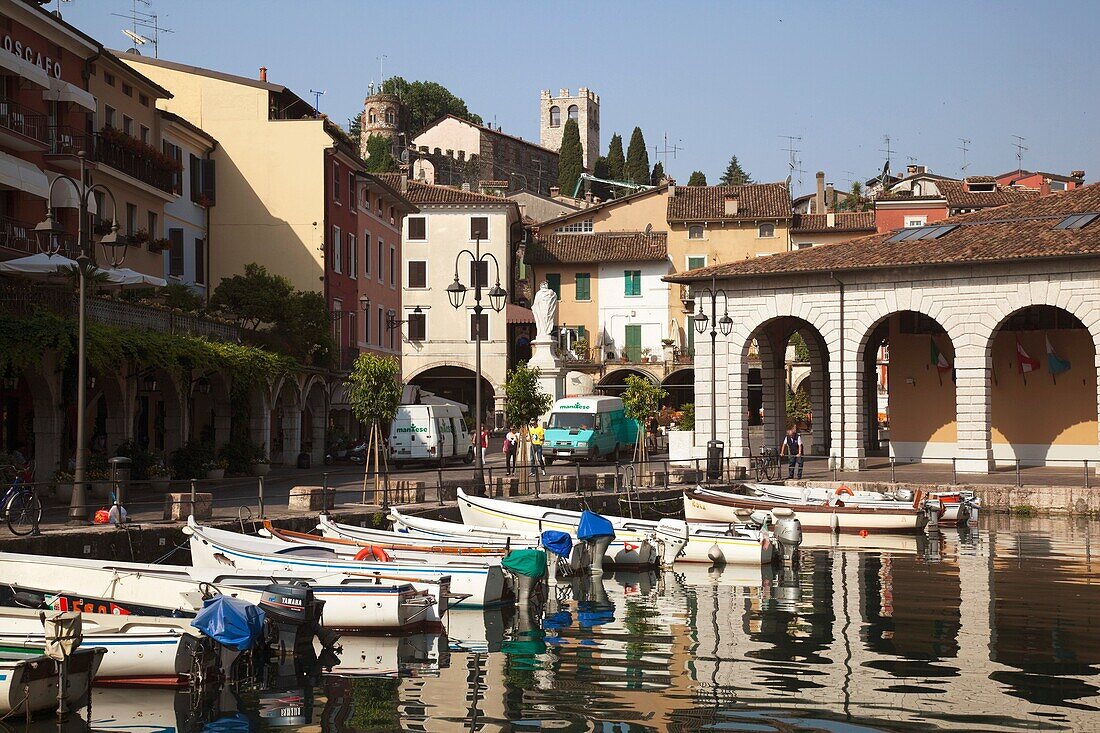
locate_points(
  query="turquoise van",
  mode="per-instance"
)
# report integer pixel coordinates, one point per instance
(588, 429)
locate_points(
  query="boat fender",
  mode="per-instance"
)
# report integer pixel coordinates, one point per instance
(844, 490)
(373, 552)
(715, 554)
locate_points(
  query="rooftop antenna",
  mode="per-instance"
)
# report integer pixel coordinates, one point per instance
(849, 176)
(889, 152)
(381, 58)
(139, 19)
(794, 165)
(664, 151)
(317, 100)
(964, 150)
(1020, 150)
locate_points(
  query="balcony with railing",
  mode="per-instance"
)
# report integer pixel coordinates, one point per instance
(116, 149)
(22, 128)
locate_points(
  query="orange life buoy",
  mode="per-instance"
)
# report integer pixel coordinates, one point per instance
(844, 490)
(374, 552)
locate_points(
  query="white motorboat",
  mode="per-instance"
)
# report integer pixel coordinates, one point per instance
(394, 544)
(29, 679)
(355, 603)
(955, 503)
(732, 543)
(706, 505)
(141, 650)
(442, 542)
(477, 582)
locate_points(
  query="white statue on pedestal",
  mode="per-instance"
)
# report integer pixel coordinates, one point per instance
(545, 309)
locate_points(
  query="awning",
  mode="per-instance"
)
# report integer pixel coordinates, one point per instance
(127, 278)
(63, 91)
(66, 197)
(23, 176)
(21, 67)
(518, 314)
(39, 266)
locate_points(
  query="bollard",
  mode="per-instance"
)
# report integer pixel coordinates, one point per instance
(260, 495)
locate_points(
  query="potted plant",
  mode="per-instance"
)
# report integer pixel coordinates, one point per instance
(159, 478)
(101, 483)
(141, 236)
(646, 353)
(261, 466)
(63, 486)
(160, 245)
(667, 342)
(215, 470)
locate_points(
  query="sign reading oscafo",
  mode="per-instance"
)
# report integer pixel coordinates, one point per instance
(50, 66)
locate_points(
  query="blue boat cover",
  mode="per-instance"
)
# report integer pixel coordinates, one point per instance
(593, 525)
(558, 543)
(231, 622)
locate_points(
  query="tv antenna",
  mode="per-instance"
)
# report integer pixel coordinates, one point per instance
(317, 94)
(663, 152)
(794, 165)
(381, 58)
(145, 21)
(849, 177)
(964, 142)
(1020, 150)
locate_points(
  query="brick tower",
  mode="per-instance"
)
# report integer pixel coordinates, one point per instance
(584, 107)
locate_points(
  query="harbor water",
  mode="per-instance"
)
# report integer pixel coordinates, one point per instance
(996, 628)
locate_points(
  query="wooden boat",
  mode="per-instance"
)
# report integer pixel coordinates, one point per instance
(733, 543)
(952, 501)
(140, 650)
(441, 542)
(707, 505)
(479, 582)
(29, 679)
(395, 545)
(355, 603)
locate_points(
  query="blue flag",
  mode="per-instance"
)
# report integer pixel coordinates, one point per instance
(1055, 363)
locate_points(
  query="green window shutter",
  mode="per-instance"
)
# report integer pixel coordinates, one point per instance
(584, 286)
(554, 281)
(633, 282)
(633, 346)
(581, 332)
(696, 262)
(691, 336)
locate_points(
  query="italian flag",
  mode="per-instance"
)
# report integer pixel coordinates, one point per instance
(939, 360)
(1024, 362)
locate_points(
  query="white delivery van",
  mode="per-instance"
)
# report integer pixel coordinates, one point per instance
(430, 434)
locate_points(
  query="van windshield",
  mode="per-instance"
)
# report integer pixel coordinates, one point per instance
(571, 421)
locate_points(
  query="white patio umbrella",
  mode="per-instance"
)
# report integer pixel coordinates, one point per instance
(40, 266)
(124, 277)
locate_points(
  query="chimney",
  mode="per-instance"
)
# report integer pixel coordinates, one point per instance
(672, 189)
(830, 196)
(554, 192)
(263, 73)
(819, 200)
(830, 220)
(1078, 174)
(1044, 187)
(731, 206)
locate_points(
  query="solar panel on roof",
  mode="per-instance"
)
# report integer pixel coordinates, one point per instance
(1077, 221)
(937, 232)
(905, 234)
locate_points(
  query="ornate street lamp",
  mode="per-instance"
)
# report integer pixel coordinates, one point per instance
(48, 233)
(715, 449)
(456, 293)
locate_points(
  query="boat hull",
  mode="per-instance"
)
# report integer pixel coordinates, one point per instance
(952, 500)
(29, 681)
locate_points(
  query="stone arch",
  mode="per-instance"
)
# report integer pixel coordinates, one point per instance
(555, 116)
(285, 418)
(455, 381)
(1042, 415)
(680, 385)
(906, 404)
(210, 408)
(614, 382)
(314, 427)
(573, 112)
(41, 427)
(372, 116)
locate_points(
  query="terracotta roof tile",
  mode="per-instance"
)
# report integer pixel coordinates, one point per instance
(845, 221)
(1021, 231)
(980, 179)
(708, 203)
(959, 198)
(597, 247)
(425, 193)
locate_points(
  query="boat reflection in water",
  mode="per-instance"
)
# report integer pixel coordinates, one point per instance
(978, 630)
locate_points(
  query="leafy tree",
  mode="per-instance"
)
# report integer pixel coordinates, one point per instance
(178, 295)
(254, 298)
(374, 392)
(641, 401)
(524, 397)
(570, 158)
(305, 326)
(637, 158)
(427, 101)
(616, 161)
(379, 155)
(698, 178)
(658, 174)
(854, 200)
(687, 417)
(798, 407)
(802, 352)
(735, 175)
(355, 130)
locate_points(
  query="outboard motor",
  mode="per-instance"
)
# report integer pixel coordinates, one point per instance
(933, 509)
(528, 567)
(597, 533)
(559, 546)
(788, 533)
(295, 615)
(671, 538)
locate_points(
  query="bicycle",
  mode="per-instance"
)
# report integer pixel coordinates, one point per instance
(766, 465)
(20, 504)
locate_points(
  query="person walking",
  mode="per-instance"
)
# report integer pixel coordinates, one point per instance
(792, 448)
(538, 435)
(484, 444)
(511, 447)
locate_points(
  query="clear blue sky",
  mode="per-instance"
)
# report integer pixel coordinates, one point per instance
(719, 77)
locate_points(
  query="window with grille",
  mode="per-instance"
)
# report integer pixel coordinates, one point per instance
(577, 227)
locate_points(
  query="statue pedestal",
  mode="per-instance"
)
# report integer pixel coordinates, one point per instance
(551, 374)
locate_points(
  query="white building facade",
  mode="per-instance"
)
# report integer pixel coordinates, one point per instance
(633, 309)
(185, 237)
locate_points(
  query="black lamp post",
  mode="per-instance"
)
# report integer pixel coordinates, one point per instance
(725, 323)
(48, 233)
(456, 292)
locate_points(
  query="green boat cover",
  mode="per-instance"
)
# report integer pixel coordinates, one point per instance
(529, 563)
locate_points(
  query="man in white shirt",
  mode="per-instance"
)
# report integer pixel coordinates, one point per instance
(792, 447)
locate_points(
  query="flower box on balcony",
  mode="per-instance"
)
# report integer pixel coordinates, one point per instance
(160, 245)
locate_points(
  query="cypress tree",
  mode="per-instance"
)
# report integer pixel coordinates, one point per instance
(735, 175)
(637, 158)
(698, 178)
(600, 170)
(570, 158)
(658, 173)
(616, 161)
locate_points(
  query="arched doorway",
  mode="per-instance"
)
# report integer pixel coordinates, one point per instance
(456, 383)
(1043, 388)
(613, 383)
(772, 353)
(286, 423)
(314, 419)
(907, 395)
(680, 386)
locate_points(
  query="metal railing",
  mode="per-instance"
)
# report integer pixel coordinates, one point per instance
(138, 159)
(23, 120)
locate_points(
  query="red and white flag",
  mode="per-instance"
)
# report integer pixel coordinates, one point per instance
(1024, 362)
